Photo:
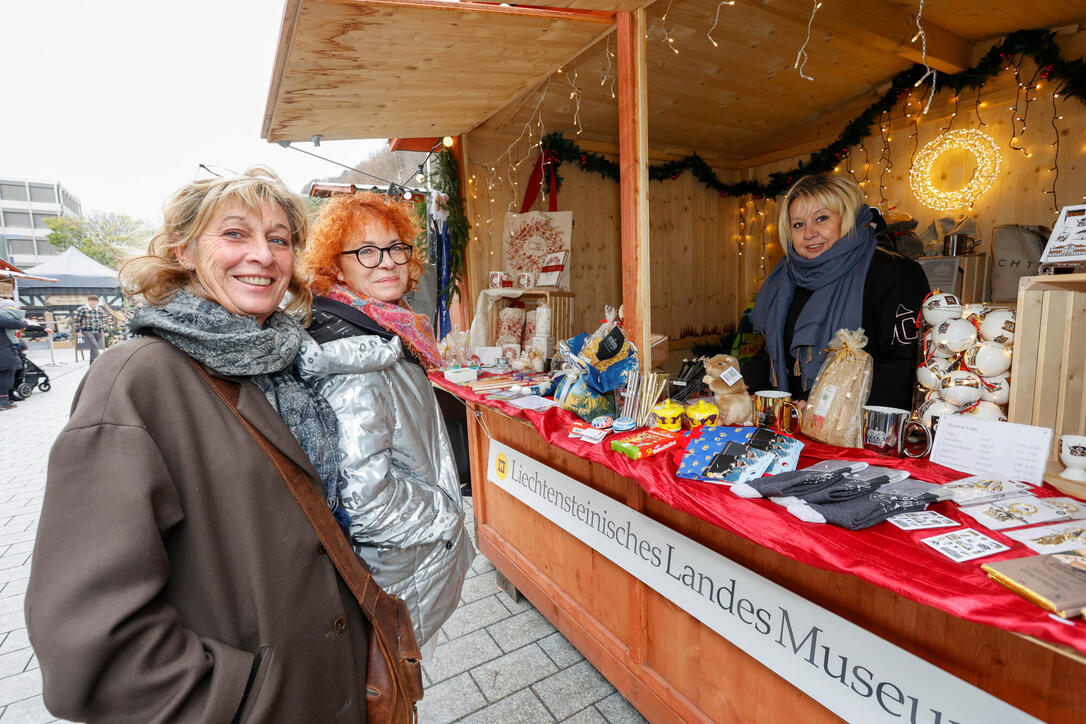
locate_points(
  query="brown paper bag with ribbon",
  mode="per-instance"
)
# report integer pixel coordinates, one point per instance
(840, 391)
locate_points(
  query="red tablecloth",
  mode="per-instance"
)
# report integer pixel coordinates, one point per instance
(883, 554)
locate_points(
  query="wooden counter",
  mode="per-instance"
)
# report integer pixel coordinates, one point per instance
(672, 667)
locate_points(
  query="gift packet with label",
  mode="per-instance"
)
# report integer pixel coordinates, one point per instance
(1025, 510)
(737, 463)
(977, 489)
(646, 443)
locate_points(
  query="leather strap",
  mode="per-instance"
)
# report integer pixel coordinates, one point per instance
(311, 502)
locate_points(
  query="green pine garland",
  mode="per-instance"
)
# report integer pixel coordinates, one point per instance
(447, 181)
(1037, 44)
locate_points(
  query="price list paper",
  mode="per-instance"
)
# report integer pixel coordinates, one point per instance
(987, 447)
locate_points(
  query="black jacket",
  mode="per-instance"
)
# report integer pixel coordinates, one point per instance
(893, 292)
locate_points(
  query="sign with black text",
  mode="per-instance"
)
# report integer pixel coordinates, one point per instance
(853, 673)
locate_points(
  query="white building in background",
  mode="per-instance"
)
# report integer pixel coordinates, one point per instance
(24, 207)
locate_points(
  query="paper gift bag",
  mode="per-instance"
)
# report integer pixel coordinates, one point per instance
(529, 238)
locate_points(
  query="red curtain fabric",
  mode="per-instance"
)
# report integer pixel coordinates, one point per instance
(883, 554)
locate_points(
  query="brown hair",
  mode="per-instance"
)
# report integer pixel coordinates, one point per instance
(158, 274)
(340, 225)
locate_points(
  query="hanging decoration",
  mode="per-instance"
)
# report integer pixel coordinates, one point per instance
(982, 147)
(447, 181)
(1068, 75)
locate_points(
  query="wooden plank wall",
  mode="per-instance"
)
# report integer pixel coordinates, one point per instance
(706, 270)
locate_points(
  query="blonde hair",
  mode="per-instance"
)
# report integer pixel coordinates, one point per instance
(839, 195)
(158, 274)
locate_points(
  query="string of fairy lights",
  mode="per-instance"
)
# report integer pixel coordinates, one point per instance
(916, 106)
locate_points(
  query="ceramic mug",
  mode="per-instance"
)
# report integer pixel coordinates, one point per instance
(775, 409)
(884, 430)
(1073, 456)
(955, 244)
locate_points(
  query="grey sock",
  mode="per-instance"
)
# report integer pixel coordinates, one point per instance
(861, 512)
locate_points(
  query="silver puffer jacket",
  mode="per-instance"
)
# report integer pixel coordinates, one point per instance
(397, 477)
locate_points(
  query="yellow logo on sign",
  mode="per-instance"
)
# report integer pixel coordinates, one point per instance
(501, 465)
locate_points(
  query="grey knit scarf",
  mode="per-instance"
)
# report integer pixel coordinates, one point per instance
(238, 346)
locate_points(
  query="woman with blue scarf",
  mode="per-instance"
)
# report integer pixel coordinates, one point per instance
(833, 276)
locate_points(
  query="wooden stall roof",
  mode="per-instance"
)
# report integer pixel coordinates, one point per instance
(386, 68)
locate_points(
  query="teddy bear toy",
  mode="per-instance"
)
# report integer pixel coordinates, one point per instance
(729, 391)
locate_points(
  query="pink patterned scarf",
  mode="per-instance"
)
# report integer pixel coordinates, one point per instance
(413, 329)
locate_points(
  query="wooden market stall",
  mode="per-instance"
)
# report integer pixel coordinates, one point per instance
(702, 97)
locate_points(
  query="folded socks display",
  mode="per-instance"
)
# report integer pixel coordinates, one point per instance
(846, 489)
(862, 512)
(793, 482)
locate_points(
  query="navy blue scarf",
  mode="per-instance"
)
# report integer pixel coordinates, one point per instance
(836, 277)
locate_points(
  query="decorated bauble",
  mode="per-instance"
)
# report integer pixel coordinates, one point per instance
(998, 326)
(996, 389)
(987, 359)
(986, 411)
(932, 349)
(932, 395)
(975, 312)
(955, 335)
(931, 373)
(940, 307)
(934, 408)
(960, 388)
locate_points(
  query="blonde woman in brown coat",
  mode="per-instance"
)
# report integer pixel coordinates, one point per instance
(175, 579)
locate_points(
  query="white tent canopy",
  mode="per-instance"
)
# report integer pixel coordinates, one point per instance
(73, 270)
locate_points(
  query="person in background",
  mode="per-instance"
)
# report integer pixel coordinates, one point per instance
(12, 320)
(92, 322)
(398, 480)
(833, 277)
(175, 577)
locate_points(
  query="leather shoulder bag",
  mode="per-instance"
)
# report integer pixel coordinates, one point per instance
(393, 670)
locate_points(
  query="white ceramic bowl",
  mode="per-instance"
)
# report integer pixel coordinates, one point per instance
(998, 326)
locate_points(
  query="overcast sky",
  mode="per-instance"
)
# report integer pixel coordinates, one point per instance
(121, 100)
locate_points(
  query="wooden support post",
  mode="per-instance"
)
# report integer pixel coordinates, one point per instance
(634, 181)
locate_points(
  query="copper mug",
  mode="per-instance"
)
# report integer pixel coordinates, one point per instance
(955, 244)
(774, 409)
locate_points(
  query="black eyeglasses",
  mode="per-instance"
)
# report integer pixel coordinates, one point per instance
(371, 256)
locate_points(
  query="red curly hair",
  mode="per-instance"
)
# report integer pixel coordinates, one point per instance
(340, 226)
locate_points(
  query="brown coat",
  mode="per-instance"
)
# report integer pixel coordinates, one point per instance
(174, 577)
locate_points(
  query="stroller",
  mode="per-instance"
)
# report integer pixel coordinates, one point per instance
(27, 377)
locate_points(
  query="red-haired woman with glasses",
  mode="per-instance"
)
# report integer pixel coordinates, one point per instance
(369, 358)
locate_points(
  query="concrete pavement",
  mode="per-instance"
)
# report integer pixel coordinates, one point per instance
(497, 661)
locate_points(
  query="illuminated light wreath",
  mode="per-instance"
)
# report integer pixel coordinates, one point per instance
(984, 150)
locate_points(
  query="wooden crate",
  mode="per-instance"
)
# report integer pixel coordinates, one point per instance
(1048, 379)
(559, 300)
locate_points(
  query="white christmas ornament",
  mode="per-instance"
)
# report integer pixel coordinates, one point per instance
(940, 307)
(932, 349)
(999, 391)
(961, 388)
(988, 359)
(975, 312)
(955, 335)
(986, 411)
(931, 373)
(998, 326)
(934, 408)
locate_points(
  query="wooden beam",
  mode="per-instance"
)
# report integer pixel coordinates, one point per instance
(634, 181)
(282, 52)
(594, 16)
